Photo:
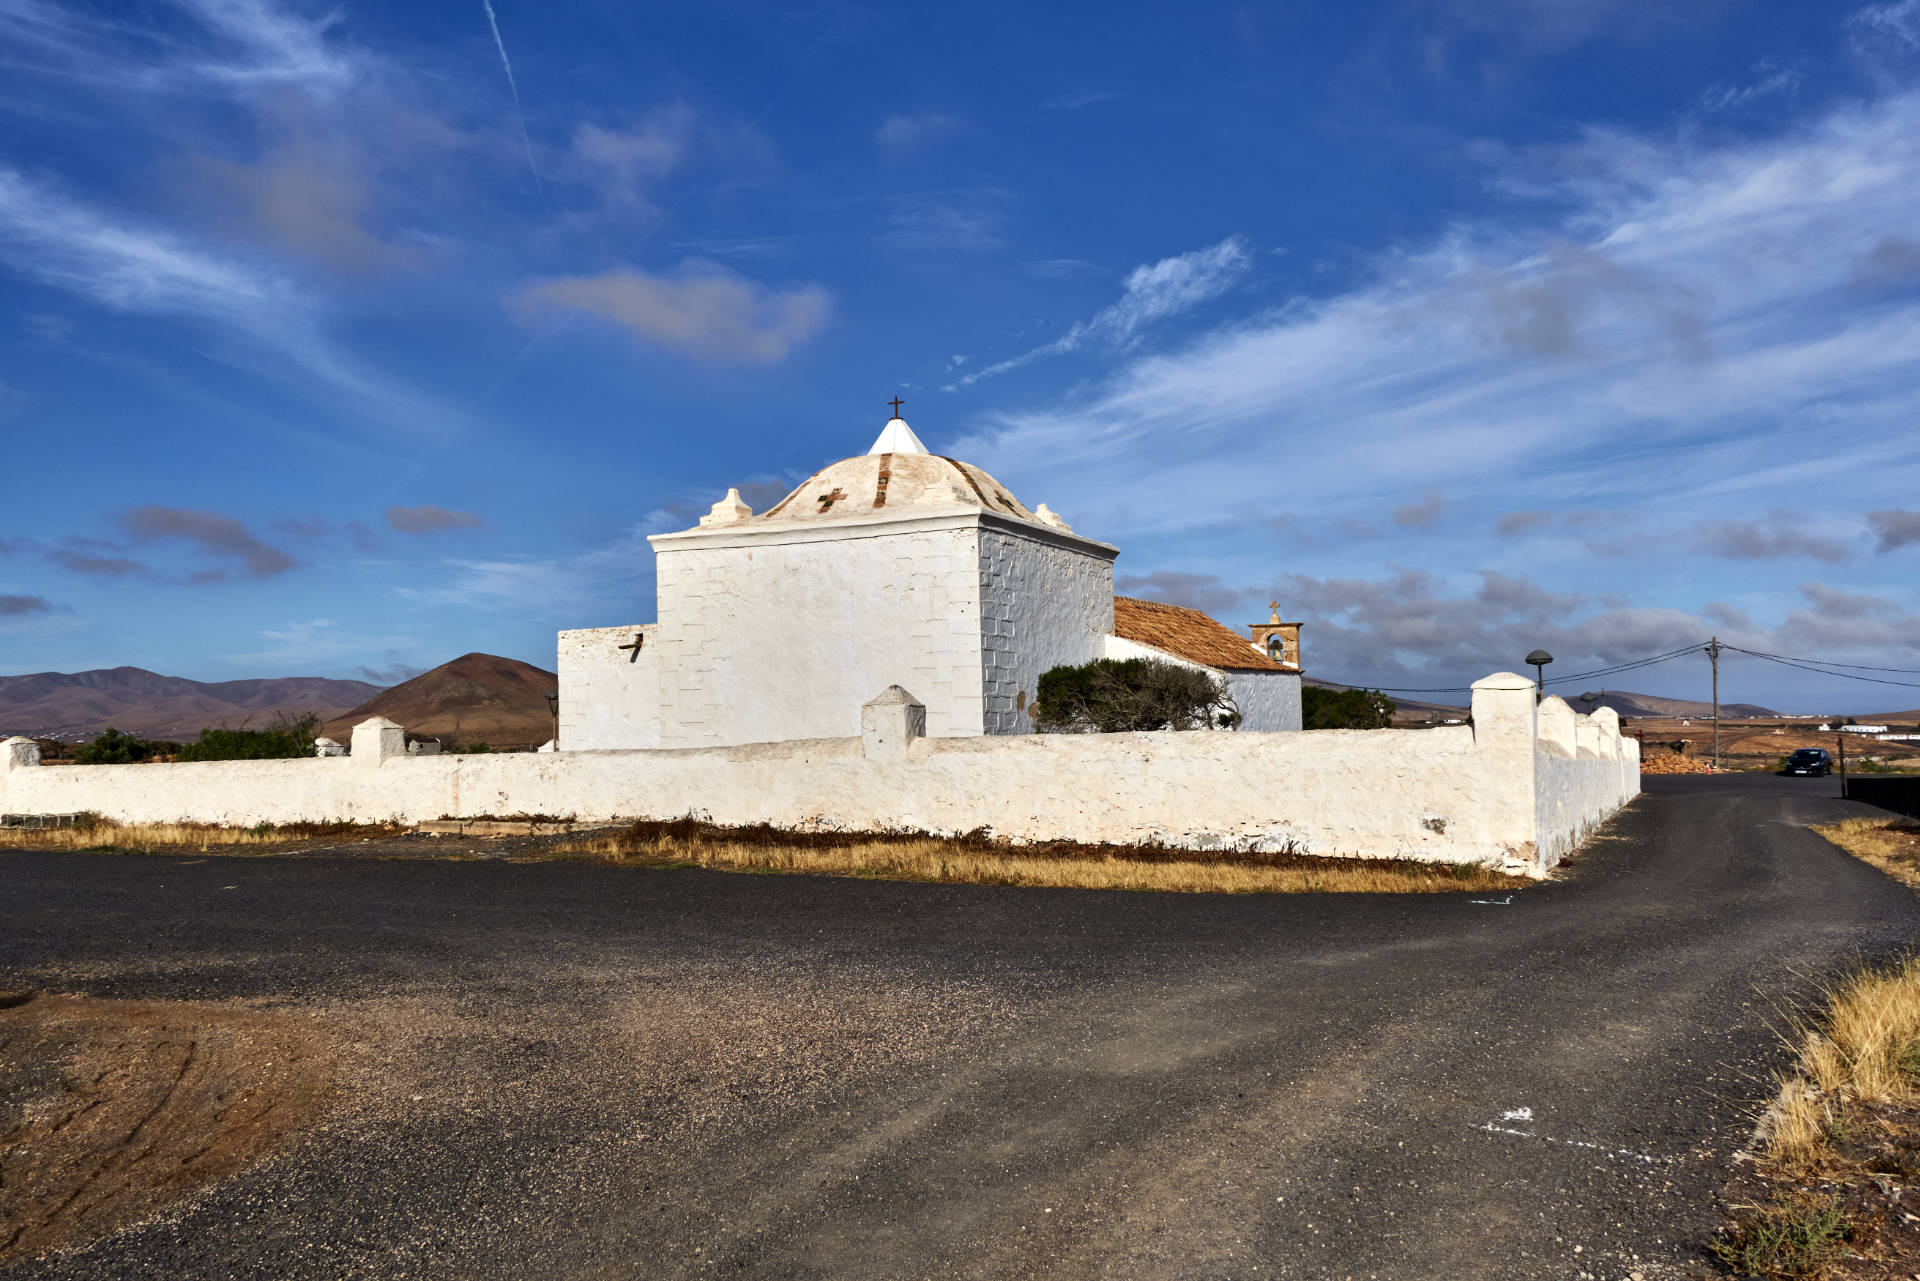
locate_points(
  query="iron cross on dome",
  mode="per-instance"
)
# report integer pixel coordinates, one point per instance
(639, 639)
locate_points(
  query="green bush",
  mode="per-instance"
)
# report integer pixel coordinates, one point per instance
(112, 748)
(284, 741)
(1114, 695)
(1344, 708)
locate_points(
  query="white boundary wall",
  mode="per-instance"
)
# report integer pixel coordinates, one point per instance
(1500, 790)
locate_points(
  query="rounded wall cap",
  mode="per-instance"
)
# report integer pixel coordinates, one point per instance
(1504, 680)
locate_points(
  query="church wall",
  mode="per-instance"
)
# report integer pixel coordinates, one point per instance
(1042, 605)
(1494, 791)
(609, 697)
(1268, 701)
(857, 609)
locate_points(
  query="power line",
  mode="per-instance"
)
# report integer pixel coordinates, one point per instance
(1617, 668)
(1821, 671)
(1863, 667)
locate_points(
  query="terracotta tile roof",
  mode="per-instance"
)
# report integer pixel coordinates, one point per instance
(1188, 634)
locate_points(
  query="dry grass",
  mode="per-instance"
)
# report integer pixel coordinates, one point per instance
(978, 860)
(1892, 846)
(1864, 1049)
(204, 838)
(1841, 1141)
(1865, 1046)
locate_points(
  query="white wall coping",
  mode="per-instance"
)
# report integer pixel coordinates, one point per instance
(908, 521)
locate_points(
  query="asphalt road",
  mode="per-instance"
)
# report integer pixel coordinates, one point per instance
(562, 1070)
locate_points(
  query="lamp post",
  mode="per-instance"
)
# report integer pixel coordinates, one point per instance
(1590, 701)
(1539, 659)
(553, 709)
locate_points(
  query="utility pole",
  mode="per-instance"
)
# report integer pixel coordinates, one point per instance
(1713, 652)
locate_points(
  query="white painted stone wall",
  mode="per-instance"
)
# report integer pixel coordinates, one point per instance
(1584, 771)
(1044, 602)
(1488, 792)
(783, 633)
(1268, 701)
(609, 697)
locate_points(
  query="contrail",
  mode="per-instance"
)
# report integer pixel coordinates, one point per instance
(514, 89)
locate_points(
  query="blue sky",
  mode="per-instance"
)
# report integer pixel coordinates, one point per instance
(344, 339)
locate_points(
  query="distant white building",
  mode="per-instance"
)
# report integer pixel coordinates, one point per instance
(895, 567)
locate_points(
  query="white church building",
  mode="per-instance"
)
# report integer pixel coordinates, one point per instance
(894, 568)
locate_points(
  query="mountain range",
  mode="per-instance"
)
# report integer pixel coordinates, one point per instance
(76, 706)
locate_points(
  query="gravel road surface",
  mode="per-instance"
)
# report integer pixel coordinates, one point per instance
(564, 1070)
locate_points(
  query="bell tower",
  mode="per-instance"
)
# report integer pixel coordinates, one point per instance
(1277, 640)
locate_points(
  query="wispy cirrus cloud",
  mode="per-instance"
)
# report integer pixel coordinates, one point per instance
(970, 221)
(902, 136)
(1648, 310)
(312, 643)
(237, 45)
(1153, 292)
(126, 265)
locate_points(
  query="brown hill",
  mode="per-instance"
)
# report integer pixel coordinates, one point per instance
(78, 705)
(499, 701)
(1653, 705)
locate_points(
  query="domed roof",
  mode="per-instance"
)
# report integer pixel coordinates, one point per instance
(897, 475)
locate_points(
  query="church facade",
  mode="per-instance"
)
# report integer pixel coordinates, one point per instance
(894, 567)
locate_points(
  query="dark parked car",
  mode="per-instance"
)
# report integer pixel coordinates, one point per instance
(1810, 760)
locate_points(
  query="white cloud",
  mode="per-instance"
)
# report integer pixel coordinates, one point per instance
(622, 165)
(1766, 80)
(900, 136)
(1153, 292)
(314, 643)
(971, 221)
(1687, 328)
(245, 45)
(125, 266)
(562, 585)
(702, 310)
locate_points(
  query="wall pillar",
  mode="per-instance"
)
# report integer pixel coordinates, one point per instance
(1556, 727)
(890, 723)
(18, 753)
(1503, 733)
(377, 739)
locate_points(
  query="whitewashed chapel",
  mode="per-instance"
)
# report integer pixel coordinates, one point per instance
(896, 567)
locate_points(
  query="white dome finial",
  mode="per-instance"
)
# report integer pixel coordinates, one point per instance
(896, 437)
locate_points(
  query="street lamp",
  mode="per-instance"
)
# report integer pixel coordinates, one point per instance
(553, 708)
(1591, 700)
(1539, 659)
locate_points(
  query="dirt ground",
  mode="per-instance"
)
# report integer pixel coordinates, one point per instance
(1868, 1191)
(1759, 745)
(111, 1109)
